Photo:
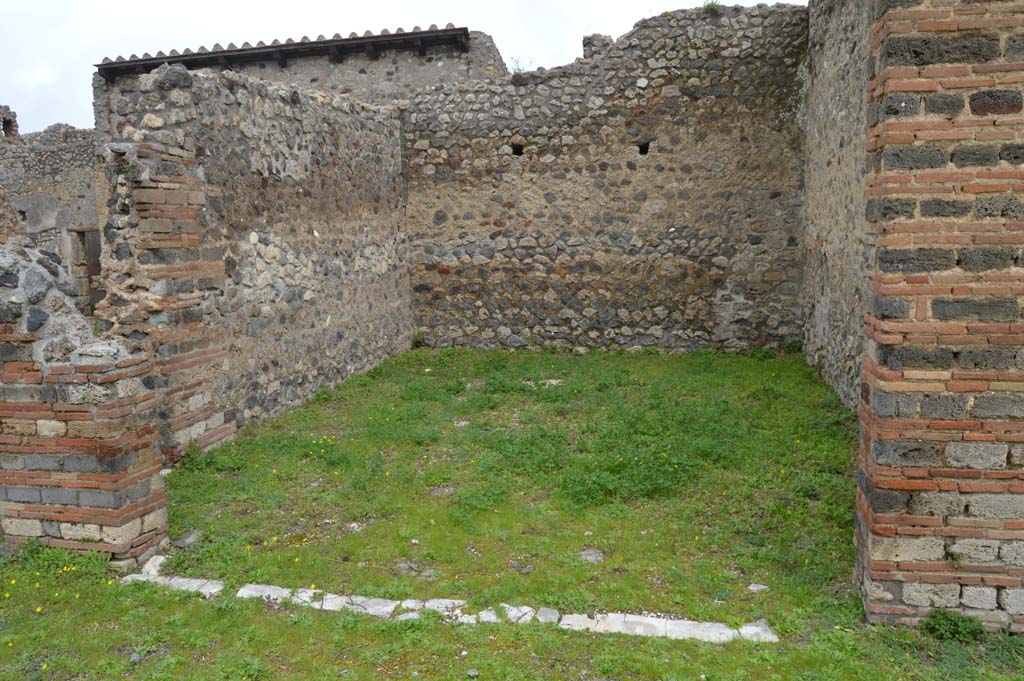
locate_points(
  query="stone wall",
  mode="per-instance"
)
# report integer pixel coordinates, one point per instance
(681, 187)
(8, 217)
(834, 240)
(50, 177)
(252, 253)
(647, 196)
(941, 500)
(388, 75)
(256, 250)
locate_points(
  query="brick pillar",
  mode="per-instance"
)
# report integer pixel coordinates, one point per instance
(940, 505)
(91, 407)
(79, 462)
(164, 265)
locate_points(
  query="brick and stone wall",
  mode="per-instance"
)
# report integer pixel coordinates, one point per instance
(50, 178)
(649, 195)
(834, 231)
(388, 75)
(251, 253)
(849, 175)
(941, 498)
(256, 250)
(79, 457)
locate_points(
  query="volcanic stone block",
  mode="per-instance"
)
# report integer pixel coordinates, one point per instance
(22, 527)
(932, 595)
(1012, 601)
(989, 358)
(944, 104)
(976, 309)
(886, 307)
(9, 313)
(911, 357)
(887, 210)
(914, 157)
(1003, 506)
(914, 549)
(975, 550)
(937, 504)
(889, 405)
(1012, 153)
(981, 597)
(980, 455)
(882, 500)
(916, 259)
(971, 47)
(998, 407)
(896, 453)
(982, 259)
(996, 102)
(900, 104)
(37, 317)
(999, 207)
(1015, 47)
(945, 208)
(976, 155)
(60, 496)
(1012, 552)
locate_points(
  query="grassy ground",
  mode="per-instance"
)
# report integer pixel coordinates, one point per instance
(483, 476)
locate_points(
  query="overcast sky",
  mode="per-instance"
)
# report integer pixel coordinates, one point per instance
(48, 47)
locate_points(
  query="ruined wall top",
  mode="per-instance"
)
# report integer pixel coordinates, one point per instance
(744, 52)
(8, 123)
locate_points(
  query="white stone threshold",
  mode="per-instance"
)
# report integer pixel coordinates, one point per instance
(451, 610)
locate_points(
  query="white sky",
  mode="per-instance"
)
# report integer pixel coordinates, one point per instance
(48, 47)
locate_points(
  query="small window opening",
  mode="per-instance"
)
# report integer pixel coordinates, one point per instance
(8, 129)
(22, 216)
(517, 149)
(643, 148)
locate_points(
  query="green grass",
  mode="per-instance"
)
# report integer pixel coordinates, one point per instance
(489, 472)
(712, 7)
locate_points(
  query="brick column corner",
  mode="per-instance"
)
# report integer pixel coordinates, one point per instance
(940, 504)
(79, 461)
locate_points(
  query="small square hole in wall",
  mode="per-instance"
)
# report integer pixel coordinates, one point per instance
(7, 128)
(643, 148)
(517, 149)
